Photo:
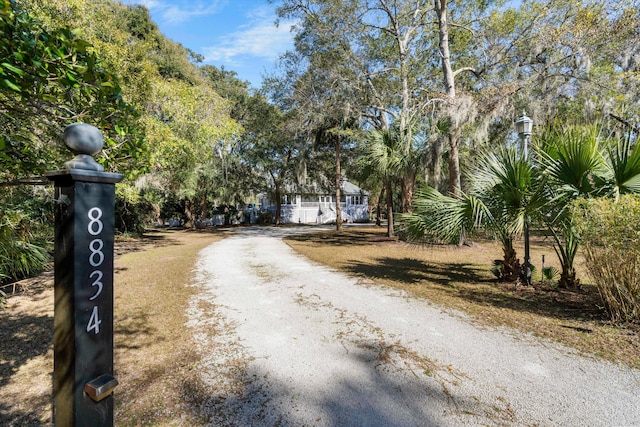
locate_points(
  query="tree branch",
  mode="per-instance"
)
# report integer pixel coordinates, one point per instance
(31, 180)
(465, 69)
(625, 122)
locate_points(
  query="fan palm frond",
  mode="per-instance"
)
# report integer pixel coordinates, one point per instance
(623, 160)
(572, 159)
(443, 217)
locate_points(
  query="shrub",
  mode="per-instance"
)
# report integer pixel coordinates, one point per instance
(550, 275)
(23, 252)
(265, 218)
(132, 211)
(610, 234)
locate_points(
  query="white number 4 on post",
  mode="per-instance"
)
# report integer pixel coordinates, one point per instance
(94, 321)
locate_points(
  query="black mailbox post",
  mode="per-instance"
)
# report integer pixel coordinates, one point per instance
(83, 318)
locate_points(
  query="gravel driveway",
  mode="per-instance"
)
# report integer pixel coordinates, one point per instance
(289, 342)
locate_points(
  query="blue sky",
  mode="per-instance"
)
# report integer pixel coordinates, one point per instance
(238, 34)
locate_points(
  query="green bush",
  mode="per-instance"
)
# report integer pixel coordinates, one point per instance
(132, 211)
(609, 231)
(550, 274)
(23, 251)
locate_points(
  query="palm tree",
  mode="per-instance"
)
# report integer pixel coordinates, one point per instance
(571, 159)
(383, 156)
(386, 154)
(504, 191)
(581, 161)
(575, 161)
(623, 162)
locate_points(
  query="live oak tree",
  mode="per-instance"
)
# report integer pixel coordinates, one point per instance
(570, 60)
(189, 127)
(359, 67)
(189, 133)
(275, 148)
(131, 82)
(49, 79)
(326, 119)
(394, 63)
(237, 179)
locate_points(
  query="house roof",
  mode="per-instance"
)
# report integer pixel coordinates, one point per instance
(352, 189)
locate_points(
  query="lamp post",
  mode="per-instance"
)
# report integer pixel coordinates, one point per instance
(524, 126)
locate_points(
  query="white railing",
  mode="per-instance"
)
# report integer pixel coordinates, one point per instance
(321, 204)
(320, 213)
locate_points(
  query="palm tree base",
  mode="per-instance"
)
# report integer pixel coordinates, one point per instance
(568, 280)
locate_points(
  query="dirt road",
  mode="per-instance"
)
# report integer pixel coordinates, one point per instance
(289, 342)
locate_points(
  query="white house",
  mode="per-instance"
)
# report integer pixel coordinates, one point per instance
(315, 208)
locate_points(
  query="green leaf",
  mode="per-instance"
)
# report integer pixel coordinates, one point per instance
(11, 85)
(16, 70)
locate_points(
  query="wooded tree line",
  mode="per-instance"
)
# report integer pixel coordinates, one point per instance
(435, 88)
(450, 78)
(176, 129)
(395, 95)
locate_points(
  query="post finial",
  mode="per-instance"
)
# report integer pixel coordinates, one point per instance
(84, 141)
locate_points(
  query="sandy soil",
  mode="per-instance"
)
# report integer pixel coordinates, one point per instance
(304, 345)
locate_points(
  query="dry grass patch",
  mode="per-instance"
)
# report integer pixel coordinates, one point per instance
(155, 355)
(26, 354)
(460, 278)
(154, 351)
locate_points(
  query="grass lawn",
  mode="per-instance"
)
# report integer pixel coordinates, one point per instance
(155, 356)
(460, 278)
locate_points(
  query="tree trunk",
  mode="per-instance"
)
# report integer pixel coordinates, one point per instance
(436, 163)
(278, 203)
(188, 212)
(568, 279)
(454, 164)
(203, 207)
(379, 208)
(338, 183)
(511, 267)
(389, 191)
(408, 187)
(445, 55)
(440, 7)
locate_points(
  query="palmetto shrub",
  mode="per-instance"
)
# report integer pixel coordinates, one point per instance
(610, 234)
(22, 252)
(550, 274)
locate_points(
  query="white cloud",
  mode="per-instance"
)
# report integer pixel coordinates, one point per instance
(149, 4)
(177, 12)
(260, 39)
